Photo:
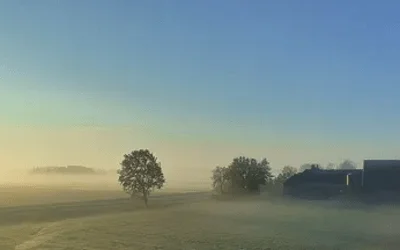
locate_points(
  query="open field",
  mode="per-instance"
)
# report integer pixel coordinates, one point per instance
(105, 220)
(20, 188)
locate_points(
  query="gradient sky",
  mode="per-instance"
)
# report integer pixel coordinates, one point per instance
(198, 82)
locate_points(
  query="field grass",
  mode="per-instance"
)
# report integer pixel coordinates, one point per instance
(102, 220)
(30, 195)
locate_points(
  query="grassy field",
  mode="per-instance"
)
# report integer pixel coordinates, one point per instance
(95, 219)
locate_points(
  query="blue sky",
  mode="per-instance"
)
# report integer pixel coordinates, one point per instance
(250, 71)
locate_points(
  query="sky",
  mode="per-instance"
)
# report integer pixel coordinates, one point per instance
(198, 82)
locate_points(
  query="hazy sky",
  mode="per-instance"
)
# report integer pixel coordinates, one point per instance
(198, 82)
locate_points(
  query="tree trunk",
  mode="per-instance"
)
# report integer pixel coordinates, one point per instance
(146, 199)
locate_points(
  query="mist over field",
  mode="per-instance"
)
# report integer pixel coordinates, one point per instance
(216, 115)
(106, 181)
(194, 221)
(72, 211)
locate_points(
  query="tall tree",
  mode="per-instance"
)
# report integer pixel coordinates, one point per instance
(220, 178)
(242, 175)
(347, 164)
(287, 172)
(140, 173)
(248, 174)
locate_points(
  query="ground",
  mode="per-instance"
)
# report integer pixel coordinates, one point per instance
(96, 219)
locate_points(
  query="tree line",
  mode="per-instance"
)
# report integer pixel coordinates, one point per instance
(246, 175)
(346, 164)
(63, 170)
(243, 175)
(141, 173)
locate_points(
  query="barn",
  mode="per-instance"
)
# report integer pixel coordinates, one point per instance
(322, 183)
(378, 178)
(381, 176)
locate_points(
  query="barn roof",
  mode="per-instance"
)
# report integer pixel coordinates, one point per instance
(381, 164)
(332, 171)
(322, 175)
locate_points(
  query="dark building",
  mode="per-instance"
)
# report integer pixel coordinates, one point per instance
(381, 175)
(323, 183)
(377, 176)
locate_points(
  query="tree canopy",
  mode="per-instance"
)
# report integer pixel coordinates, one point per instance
(347, 164)
(140, 173)
(287, 172)
(220, 178)
(242, 175)
(330, 166)
(307, 166)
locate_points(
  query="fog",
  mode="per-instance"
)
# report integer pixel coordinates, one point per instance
(186, 161)
(257, 221)
(108, 181)
(183, 158)
(309, 220)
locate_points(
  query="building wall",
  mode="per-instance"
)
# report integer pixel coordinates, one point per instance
(381, 175)
(324, 182)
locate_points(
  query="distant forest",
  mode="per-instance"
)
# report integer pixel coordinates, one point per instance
(66, 170)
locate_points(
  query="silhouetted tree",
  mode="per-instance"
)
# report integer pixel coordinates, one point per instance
(220, 178)
(243, 175)
(140, 173)
(309, 166)
(347, 164)
(287, 172)
(304, 167)
(330, 166)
